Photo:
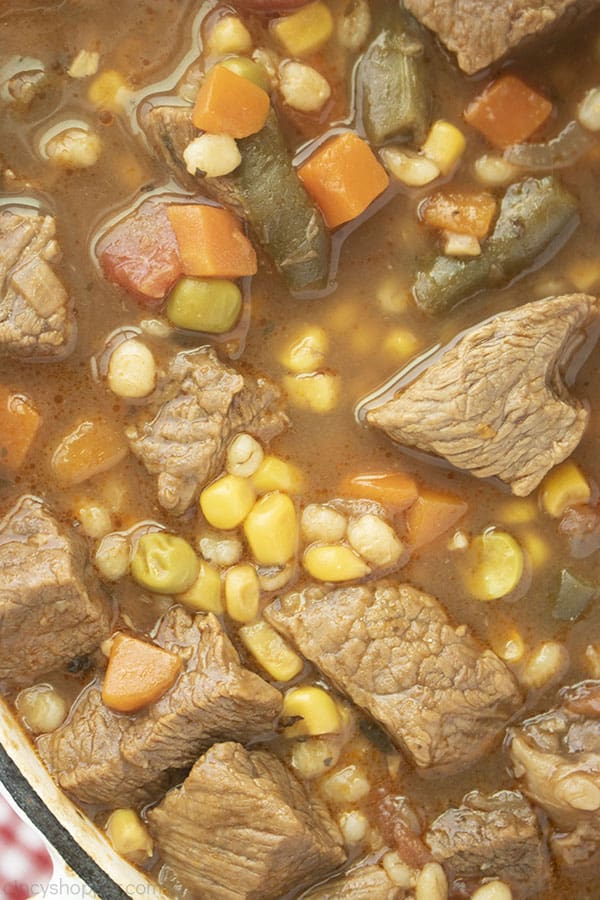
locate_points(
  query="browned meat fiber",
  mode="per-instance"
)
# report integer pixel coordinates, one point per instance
(496, 403)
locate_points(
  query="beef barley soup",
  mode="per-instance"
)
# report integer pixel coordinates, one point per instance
(299, 422)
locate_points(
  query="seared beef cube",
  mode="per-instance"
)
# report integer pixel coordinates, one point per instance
(36, 321)
(200, 404)
(556, 757)
(169, 130)
(481, 32)
(496, 403)
(241, 826)
(442, 697)
(99, 756)
(363, 883)
(489, 837)
(52, 608)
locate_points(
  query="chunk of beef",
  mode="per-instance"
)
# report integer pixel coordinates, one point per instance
(241, 826)
(199, 405)
(441, 696)
(496, 403)
(362, 883)
(556, 757)
(169, 130)
(101, 757)
(52, 608)
(36, 321)
(480, 32)
(495, 836)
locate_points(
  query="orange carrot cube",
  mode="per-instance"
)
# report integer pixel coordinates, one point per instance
(343, 177)
(138, 673)
(229, 104)
(432, 513)
(211, 242)
(19, 424)
(462, 213)
(396, 489)
(508, 111)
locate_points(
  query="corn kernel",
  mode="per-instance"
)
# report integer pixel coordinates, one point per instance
(112, 556)
(564, 486)
(244, 456)
(584, 274)
(271, 651)
(315, 709)
(497, 565)
(131, 370)
(129, 836)
(302, 87)
(592, 659)
(317, 391)
(397, 870)
(271, 529)
(493, 890)
(536, 547)
(213, 154)
(354, 25)
(400, 344)
(375, 540)
(84, 64)
(322, 523)
(432, 883)
(517, 511)
(315, 756)
(547, 662)
(348, 785)
(276, 474)
(306, 351)
(74, 148)
(226, 502)
(229, 35)
(95, 518)
(306, 30)
(334, 562)
(220, 550)
(411, 169)
(205, 594)
(108, 90)
(242, 593)
(494, 171)
(460, 245)
(445, 145)
(510, 647)
(354, 826)
(588, 111)
(392, 297)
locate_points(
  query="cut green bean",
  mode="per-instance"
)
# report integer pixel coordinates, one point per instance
(393, 79)
(534, 213)
(573, 598)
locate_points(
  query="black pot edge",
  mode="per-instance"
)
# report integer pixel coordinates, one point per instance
(40, 815)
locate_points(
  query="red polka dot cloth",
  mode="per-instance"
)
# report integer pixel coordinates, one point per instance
(25, 864)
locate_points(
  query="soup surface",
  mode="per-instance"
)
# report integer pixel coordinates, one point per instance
(409, 629)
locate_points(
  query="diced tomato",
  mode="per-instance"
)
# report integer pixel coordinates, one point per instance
(140, 253)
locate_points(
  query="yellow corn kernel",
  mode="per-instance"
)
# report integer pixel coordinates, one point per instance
(226, 502)
(564, 486)
(432, 883)
(129, 836)
(392, 297)
(315, 756)
(497, 565)
(411, 169)
(347, 785)
(518, 511)
(493, 890)
(315, 709)
(306, 351)
(548, 662)
(271, 529)
(536, 547)
(276, 474)
(205, 594)
(509, 646)
(317, 391)
(271, 651)
(584, 274)
(305, 31)
(445, 144)
(242, 593)
(229, 35)
(398, 871)
(334, 562)
(400, 344)
(592, 659)
(320, 522)
(109, 90)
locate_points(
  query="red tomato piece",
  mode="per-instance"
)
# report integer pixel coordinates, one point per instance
(140, 254)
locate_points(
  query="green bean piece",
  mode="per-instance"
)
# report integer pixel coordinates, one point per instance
(212, 305)
(534, 214)
(393, 79)
(573, 597)
(276, 204)
(164, 563)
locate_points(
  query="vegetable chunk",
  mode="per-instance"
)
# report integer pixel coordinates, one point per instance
(460, 212)
(138, 673)
(230, 104)
(211, 242)
(19, 424)
(508, 111)
(343, 177)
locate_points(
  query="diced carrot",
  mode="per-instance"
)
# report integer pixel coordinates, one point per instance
(229, 104)
(432, 513)
(138, 673)
(19, 424)
(344, 176)
(140, 254)
(462, 213)
(92, 447)
(211, 242)
(508, 111)
(395, 489)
